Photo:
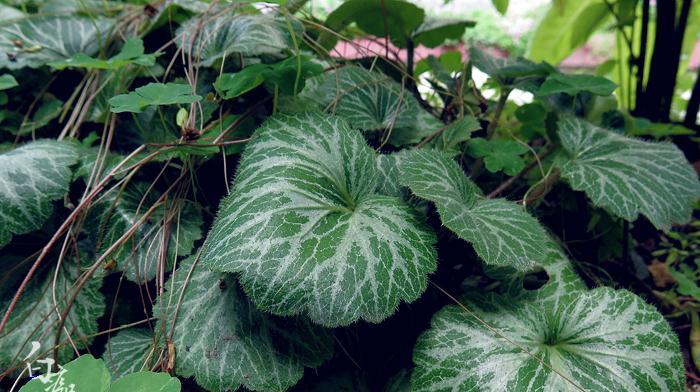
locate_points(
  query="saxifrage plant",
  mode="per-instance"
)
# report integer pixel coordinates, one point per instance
(200, 189)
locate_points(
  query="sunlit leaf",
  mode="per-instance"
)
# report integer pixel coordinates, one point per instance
(7, 81)
(571, 84)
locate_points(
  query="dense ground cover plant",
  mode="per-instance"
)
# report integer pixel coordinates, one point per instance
(201, 189)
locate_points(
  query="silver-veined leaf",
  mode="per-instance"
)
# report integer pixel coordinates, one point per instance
(371, 100)
(231, 34)
(598, 340)
(223, 341)
(31, 178)
(628, 176)
(37, 40)
(129, 351)
(35, 318)
(502, 233)
(169, 232)
(307, 232)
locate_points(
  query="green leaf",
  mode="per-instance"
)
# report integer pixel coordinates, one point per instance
(457, 132)
(558, 83)
(232, 34)
(83, 374)
(153, 94)
(50, 109)
(373, 101)
(36, 318)
(501, 6)
(37, 40)
(687, 283)
(628, 176)
(129, 351)
(598, 340)
(502, 233)
(499, 155)
(224, 342)
(146, 382)
(7, 81)
(176, 225)
(397, 18)
(307, 232)
(132, 53)
(233, 85)
(282, 75)
(434, 32)
(565, 28)
(510, 72)
(32, 177)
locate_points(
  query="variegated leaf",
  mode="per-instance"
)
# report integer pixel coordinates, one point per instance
(31, 178)
(629, 176)
(222, 340)
(370, 100)
(307, 232)
(173, 226)
(129, 351)
(36, 317)
(502, 233)
(36, 40)
(230, 34)
(598, 340)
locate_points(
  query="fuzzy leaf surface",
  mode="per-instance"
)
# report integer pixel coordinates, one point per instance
(127, 352)
(224, 341)
(307, 231)
(628, 176)
(501, 232)
(35, 317)
(49, 38)
(231, 34)
(31, 178)
(598, 340)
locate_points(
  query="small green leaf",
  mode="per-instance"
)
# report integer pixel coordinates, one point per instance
(49, 109)
(26, 204)
(502, 233)
(224, 342)
(146, 382)
(628, 176)
(510, 72)
(7, 81)
(233, 85)
(82, 374)
(456, 133)
(598, 340)
(558, 83)
(132, 53)
(153, 94)
(501, 6)
(434, 32)
(307, 232)
(499, 155)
